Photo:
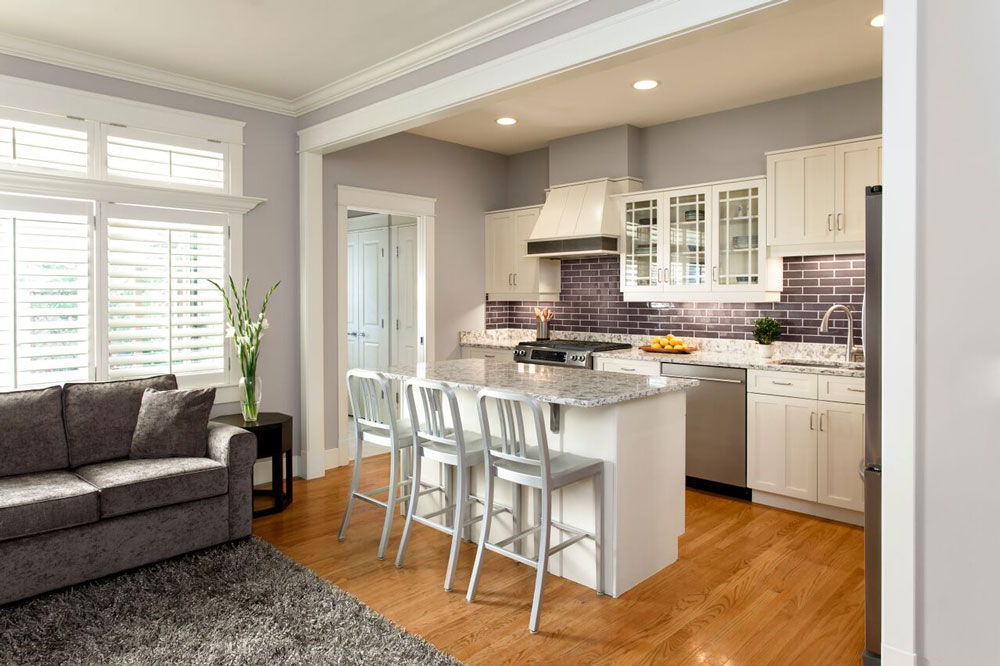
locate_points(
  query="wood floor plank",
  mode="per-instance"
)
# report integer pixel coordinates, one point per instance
(753, 585)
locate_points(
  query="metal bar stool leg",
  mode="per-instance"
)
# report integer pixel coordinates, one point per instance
(461, 496)
(543, 561)
(414, 496)
(484, 537)
(355, 479)
(390, 504)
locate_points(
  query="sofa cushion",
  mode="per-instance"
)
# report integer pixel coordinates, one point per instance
(100, 417)
(32, 438)
(173, 424)
(128, 486)
(45, 501)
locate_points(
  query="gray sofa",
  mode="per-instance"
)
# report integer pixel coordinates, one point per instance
(74, 507)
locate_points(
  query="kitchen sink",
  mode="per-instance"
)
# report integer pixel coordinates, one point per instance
(820, 364)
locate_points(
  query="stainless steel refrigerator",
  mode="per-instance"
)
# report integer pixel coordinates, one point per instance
(871, 322)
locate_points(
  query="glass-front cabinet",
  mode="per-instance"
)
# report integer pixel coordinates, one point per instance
(702, 243)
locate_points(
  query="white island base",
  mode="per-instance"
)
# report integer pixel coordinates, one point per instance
(642, 443)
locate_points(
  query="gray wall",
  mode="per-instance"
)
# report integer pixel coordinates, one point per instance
(527, 178)
(606, 153)
(466, 182)
(563, 22)
(270, 238)
(731, 144)
(957, 395)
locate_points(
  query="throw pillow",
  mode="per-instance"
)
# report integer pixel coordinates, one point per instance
(173, 424)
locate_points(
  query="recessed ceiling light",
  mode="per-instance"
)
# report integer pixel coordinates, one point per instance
(506, 120)
(877, 21)
(645, 84)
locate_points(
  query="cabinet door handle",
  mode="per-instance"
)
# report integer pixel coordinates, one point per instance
(715, 273)
(774, 381)
(510, 279)
(812, 419)
(624, 369)
(821, 415)
(829, 222)
(855, 390)
(515, 279)
(489, 356)
(840, 218)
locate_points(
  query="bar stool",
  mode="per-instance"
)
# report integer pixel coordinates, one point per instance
(509, 457)
(375, 422)
(450, 445)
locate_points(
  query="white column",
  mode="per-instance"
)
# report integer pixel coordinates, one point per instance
(311, 313)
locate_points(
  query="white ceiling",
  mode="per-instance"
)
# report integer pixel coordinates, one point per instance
(273, 47)
(794, 48)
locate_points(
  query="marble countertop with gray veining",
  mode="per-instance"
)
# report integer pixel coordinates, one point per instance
(555, 385)
(711, 351)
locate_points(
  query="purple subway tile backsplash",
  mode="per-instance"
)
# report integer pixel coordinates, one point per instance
(591, 301)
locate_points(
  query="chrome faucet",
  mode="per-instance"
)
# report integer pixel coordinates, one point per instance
(825, 327)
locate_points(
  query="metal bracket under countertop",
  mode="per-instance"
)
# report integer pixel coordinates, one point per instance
(554, 417)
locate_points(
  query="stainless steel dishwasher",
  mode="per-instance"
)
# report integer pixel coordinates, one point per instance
(716, 427)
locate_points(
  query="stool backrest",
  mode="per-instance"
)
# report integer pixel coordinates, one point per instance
(427, 399)
(509, 441)
(370, 395)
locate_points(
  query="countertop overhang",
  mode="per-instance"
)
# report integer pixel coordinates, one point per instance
(551, 384)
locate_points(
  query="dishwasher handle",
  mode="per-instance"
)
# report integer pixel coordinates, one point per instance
(705, 379)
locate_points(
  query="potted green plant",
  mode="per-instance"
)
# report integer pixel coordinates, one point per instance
(766, 331)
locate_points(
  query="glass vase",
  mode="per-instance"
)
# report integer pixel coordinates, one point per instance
(250, 395)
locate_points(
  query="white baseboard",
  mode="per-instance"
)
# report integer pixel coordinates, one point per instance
(895, 657)
(811, 508)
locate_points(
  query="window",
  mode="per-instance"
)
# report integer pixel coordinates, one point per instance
(140, 155)
(163, 313)
(46, 143)
(45, 291)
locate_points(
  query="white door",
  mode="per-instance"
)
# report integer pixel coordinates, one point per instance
(352, 300)
(858, 164)
(781, 445)
(499, 253)
(373, 298)
(801, 196)
(404, 295)
(841, 452)
(525, 268)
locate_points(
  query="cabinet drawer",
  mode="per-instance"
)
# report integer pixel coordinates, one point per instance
(493, 354)
(842, 389)
(651, 368)
(791, 384)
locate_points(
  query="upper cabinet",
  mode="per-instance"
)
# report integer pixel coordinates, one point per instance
(511, 275)
(702, 243)
(816, 197)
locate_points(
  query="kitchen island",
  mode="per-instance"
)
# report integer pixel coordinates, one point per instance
(635, 424)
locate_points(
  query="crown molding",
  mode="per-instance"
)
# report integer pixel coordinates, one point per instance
(489, 27)
(497, 24)
(120, 69)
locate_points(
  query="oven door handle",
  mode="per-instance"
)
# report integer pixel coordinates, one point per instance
(705, 379)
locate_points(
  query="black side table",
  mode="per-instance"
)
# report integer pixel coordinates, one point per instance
(274, 438)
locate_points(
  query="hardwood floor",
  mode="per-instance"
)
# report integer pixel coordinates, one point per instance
(753, 585)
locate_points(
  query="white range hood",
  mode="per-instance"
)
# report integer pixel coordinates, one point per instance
(580, 219)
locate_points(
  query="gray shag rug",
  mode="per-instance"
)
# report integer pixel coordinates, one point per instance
(240, 603)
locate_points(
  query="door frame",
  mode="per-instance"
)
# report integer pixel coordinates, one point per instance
(389, 203)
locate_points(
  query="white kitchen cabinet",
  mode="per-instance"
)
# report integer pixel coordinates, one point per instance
(511, 275)
(782, 445)
(700, 243)
(840, 452)
(802, 446)
(483, 352)
(630, 366)
(816, 197)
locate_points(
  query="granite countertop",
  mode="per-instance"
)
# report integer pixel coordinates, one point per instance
(733, 360)
(721, 353)
(555, 385)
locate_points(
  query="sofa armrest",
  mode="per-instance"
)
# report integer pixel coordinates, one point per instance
(236, 449)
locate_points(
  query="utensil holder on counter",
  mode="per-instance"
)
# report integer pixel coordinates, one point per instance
(542, 330)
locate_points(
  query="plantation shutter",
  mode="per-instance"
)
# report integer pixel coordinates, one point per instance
(137, 154)
(42, 142)
(45, 291)
(163, 314)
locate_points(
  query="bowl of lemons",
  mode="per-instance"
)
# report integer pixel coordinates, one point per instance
(667, 345)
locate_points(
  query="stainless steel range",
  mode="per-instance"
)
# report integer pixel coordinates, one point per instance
(568, 353)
